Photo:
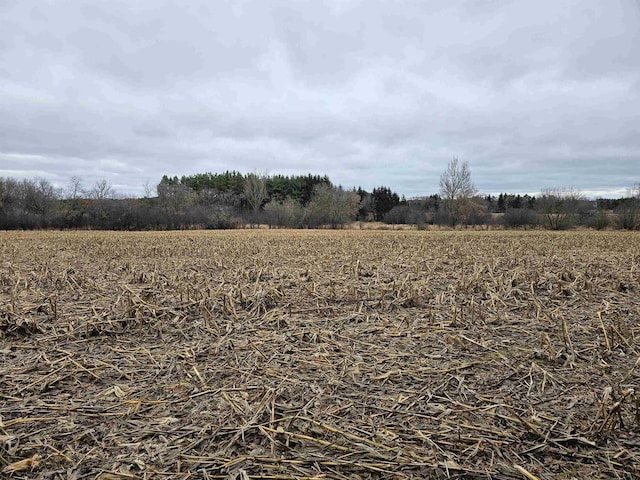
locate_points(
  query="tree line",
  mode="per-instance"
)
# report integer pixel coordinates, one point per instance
(233, 200)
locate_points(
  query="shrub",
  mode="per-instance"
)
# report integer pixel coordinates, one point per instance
(599, 220)
(519, 217)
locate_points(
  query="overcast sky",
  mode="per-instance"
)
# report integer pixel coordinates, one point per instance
(533, 94)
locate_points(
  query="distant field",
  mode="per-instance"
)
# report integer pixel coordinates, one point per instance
(319, 354)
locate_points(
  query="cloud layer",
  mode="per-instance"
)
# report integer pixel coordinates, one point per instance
(532, 94)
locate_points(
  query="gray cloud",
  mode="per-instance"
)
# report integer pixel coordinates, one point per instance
(371, 93)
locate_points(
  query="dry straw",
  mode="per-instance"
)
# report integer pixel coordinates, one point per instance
(304, 355)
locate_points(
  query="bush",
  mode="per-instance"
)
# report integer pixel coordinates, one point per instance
(288, 214)
(519, 217)
(599, 220)
(405, 214)
(443, 218)
(628, 214)
(224, 222)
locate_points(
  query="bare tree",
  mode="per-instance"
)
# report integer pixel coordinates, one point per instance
(456, 189)
(629, 210)
(560, 207)
(148, 189)
(101, 190)
(176, 197)
(332, 206)
(255, 190)
(40, 197)
(73, 209)
(74, 188)
(456, 182)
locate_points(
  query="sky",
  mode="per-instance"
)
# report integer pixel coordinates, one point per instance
(532, 94)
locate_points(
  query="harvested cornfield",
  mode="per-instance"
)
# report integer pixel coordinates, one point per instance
(319, 354)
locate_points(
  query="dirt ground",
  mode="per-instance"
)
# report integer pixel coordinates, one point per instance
(319, 354)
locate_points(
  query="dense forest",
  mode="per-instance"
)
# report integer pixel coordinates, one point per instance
(235, 200)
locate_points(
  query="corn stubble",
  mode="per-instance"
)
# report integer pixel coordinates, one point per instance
(319, 354)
